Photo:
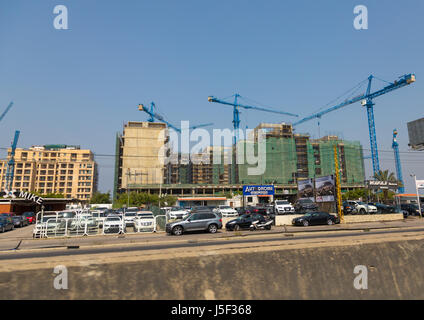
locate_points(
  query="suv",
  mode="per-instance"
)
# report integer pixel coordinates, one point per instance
(362, 207)
(412, 208)
(227, 211)
(283, 207)
(198, 220)
(177, 213)
(305, 205)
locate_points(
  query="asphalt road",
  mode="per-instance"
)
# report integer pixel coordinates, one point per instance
(20, 240)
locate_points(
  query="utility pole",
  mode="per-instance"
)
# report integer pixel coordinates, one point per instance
(338, 187)
(418, 195)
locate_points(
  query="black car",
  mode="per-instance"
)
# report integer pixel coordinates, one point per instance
(315, 218)
(6, 224)
(245, 221)
(383, 208)
(305, 205)
(7, 216)
(348, 208)
(412, 208)
(19, 221)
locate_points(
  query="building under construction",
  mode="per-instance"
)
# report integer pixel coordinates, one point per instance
(289, 157)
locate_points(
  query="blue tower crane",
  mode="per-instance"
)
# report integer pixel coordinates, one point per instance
(6, 111)
(10, 173)
(153, 115)
(236, 112)
(367, 101)
(395, 146)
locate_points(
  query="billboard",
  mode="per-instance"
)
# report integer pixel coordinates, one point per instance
(258, 190)
(305, 189)
(325, 188)
(416, 134)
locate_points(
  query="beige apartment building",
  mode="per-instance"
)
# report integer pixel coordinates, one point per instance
(59, 169)
(141, 154)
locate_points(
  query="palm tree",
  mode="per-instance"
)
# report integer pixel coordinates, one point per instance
(384, 175)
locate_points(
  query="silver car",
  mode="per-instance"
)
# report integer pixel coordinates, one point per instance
(198, 220)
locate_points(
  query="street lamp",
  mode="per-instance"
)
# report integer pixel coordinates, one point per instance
(418, 195)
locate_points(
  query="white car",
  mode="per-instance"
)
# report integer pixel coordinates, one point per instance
(362, 207)
(129, 218)
(47, 225)
(227, 211)
(145, 222)
(283, 207)
(177, 213)
(113, 224)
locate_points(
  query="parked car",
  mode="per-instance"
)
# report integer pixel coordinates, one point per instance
(316, 218)
(145, 221)
(412, 208)
(8, 216)
(362, 207)
(48, 224)
(245, 221)
(198, 220)
(283, 207)
(227, 211)
(348, 208)
(5, 224)
(305, 205)
(383, 208)
(30, 216)
(19, 221)
(114, 224)
(177, 213)
(129, 218)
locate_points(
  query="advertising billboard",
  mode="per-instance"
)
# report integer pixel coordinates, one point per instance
(305, 189)
(416, 134)
(258, 190)
(325, 189)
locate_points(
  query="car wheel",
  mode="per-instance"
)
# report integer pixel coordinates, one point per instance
(330, 222)
(268, 227)
(305, 223)
(236, 227)
(362, 211)
(212, 228)
(2, 230)
(177, 231)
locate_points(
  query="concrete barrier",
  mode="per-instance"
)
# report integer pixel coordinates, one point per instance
(395, 271)
(373, 217)
(286, 220)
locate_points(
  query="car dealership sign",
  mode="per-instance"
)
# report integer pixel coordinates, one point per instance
(23, 195)
(258, 190)
(382, 185)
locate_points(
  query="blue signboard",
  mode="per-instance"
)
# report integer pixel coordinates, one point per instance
(258, 190)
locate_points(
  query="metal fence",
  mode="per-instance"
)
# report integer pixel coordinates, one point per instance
(79, 226)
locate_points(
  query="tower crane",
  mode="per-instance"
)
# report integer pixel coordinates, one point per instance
(395, 146)
(236, 112)
(10, 173)
(153, 115)
(6, 111)
(367, 101)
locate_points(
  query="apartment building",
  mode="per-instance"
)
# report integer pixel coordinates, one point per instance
(58, 169)
(140, 154)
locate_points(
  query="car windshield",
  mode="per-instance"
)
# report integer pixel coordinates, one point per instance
(16, 218)
(224, 207)
(306, 201)
(130, 214)
(177, 209)
(145, 216)
(281, 202)
(309, 214)
(47, 218)
(113, 219)
(28, 214)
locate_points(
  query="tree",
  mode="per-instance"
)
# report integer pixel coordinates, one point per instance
(50, 195)
(100, 198)
(136, 199)
(384, 175)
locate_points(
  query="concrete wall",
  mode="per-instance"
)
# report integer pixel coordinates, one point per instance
(395, 271)
(287, 219)
(373, 217)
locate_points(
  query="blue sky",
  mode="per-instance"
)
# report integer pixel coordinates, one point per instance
(79, 86)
